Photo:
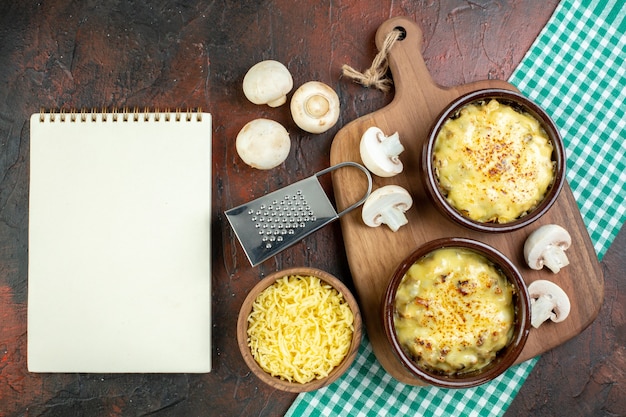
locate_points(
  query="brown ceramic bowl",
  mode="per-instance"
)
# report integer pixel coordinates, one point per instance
(521, 104)
(276, 382)
(504, 358)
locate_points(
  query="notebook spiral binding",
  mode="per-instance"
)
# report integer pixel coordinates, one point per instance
(125, 114)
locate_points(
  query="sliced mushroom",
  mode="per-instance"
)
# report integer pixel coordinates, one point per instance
(268, 82)
(263, 144)
(547, 246)
(315, 107)
(387, 205)
(380, 152)
(548, 301)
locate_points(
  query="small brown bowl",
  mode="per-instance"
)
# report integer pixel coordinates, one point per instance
(504, 358)
(279, 383)
(521, 104)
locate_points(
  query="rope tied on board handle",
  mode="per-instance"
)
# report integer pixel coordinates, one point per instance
(376, 75)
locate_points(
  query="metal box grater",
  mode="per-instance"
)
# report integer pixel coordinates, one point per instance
(271, 223)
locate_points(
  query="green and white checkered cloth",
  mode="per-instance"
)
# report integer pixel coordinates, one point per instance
(576, 71)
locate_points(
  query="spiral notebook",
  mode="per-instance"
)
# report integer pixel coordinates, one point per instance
(119, 242)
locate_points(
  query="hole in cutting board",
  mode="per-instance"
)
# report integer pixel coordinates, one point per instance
(402, 32)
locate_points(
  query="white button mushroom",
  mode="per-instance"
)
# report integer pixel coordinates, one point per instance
(546, 246)
(267, 82)
(263, 143)
(387, 205)
(548, 301)
(380, 152)
(315, 107)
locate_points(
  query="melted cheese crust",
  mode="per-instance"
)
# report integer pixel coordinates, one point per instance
(300, 328)
(494, 164)
(454, 311)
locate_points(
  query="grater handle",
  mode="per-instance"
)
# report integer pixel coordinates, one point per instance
(362, 168)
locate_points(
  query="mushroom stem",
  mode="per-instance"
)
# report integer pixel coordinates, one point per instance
(387, 205)
(548, 301)
(393, 217)
(546, 246)
(390, 145)
(278, 102)
(554, 258)
(317, 106)
(380, 153)
(542, 310)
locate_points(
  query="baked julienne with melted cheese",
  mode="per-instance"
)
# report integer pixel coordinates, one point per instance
(492, 162)
(454, 311)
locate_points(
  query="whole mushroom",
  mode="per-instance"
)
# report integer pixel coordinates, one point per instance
(547, 246)
(387, 205)
(315, 107)
(263, 144)
(380, 152)
(268, 82)
(548, 301)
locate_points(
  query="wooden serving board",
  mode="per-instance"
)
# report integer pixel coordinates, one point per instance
(374, 253)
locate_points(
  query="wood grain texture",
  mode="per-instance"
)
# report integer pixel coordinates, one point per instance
(191, 53)
(375, 253)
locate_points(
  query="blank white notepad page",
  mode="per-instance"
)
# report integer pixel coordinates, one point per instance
(119, 244)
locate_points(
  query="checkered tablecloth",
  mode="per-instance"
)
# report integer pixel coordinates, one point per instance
(576, 71)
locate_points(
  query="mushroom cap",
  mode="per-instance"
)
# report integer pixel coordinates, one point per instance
(558, 298)
(267, 82)
(315, 107)
(543, 238)
(263, 144)
(382, 199)
(379, 152)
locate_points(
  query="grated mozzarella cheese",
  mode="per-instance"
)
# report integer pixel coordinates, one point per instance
(300, 328)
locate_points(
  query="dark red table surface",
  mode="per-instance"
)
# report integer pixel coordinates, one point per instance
(75, 54)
